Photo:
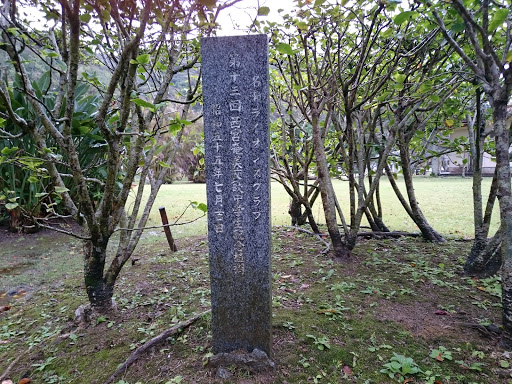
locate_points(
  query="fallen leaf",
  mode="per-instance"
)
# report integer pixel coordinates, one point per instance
(439, 357)
(438, 382)
(441, 312)
(25, 380)
(304, 286)
(286, 276)
(5, 308)
(408, 381)
(481, 288)
(346, 370)
(322, 311)
(7, 382)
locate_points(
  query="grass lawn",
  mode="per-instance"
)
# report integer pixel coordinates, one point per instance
(446, 203)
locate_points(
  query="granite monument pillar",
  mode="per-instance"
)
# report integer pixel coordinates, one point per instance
(236, 125)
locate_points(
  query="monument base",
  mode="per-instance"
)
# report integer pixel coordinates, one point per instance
(255, 361)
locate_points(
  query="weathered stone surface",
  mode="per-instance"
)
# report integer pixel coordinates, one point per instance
(236, 118)
(256, 361)
(223, 373)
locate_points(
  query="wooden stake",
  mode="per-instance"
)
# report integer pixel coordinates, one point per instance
(167, 230)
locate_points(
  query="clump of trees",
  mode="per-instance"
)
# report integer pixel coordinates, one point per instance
(88, 144)
(361, 87)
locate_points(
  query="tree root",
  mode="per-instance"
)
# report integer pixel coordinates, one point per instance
(8, 370)
(155, 340)
(317, 235)
(380, 235)
(375, 235)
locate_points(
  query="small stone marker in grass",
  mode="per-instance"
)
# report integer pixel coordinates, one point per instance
(236, 126)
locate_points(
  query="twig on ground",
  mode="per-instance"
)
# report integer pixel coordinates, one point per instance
(4, 375)
(317, 235)
(379, 235)
(155, 340)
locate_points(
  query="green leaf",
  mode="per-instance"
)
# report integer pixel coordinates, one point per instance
(509, 56)
(319, 3)
(11, 206)
(499, 18)
(174, 127)
(301, 25)
(105, 13)
(208, 3)
(144, 104)
(285, 49)
(404, 16)
(263, 11)
(458, 27)
(85, 18)
(202, 207)
(399, 77)
(163, 164)
(434, 98)
(9, 151)
(143, 59)
(61, 189)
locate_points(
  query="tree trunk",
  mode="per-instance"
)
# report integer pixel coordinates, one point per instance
(502, 138)
(327, 192)
(484, 258)
(98, 291)
(295, 212)
(429, 233)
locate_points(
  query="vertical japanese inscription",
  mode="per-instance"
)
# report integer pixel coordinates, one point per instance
(236, 117)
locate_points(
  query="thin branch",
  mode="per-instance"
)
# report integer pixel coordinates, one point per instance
(158, 226)
(13, 363)
(182, 102)
(39, 224)
(154, 341)
(318, 236)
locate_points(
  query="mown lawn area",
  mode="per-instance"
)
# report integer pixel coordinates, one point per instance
(445, 201)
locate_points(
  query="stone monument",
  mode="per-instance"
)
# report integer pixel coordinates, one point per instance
(236, 129)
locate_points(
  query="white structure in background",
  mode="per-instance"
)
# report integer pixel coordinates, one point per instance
(453, 162)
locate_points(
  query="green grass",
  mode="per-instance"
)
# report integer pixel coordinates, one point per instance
(446, 203)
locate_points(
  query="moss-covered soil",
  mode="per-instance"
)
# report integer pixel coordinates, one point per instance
(401, 311)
